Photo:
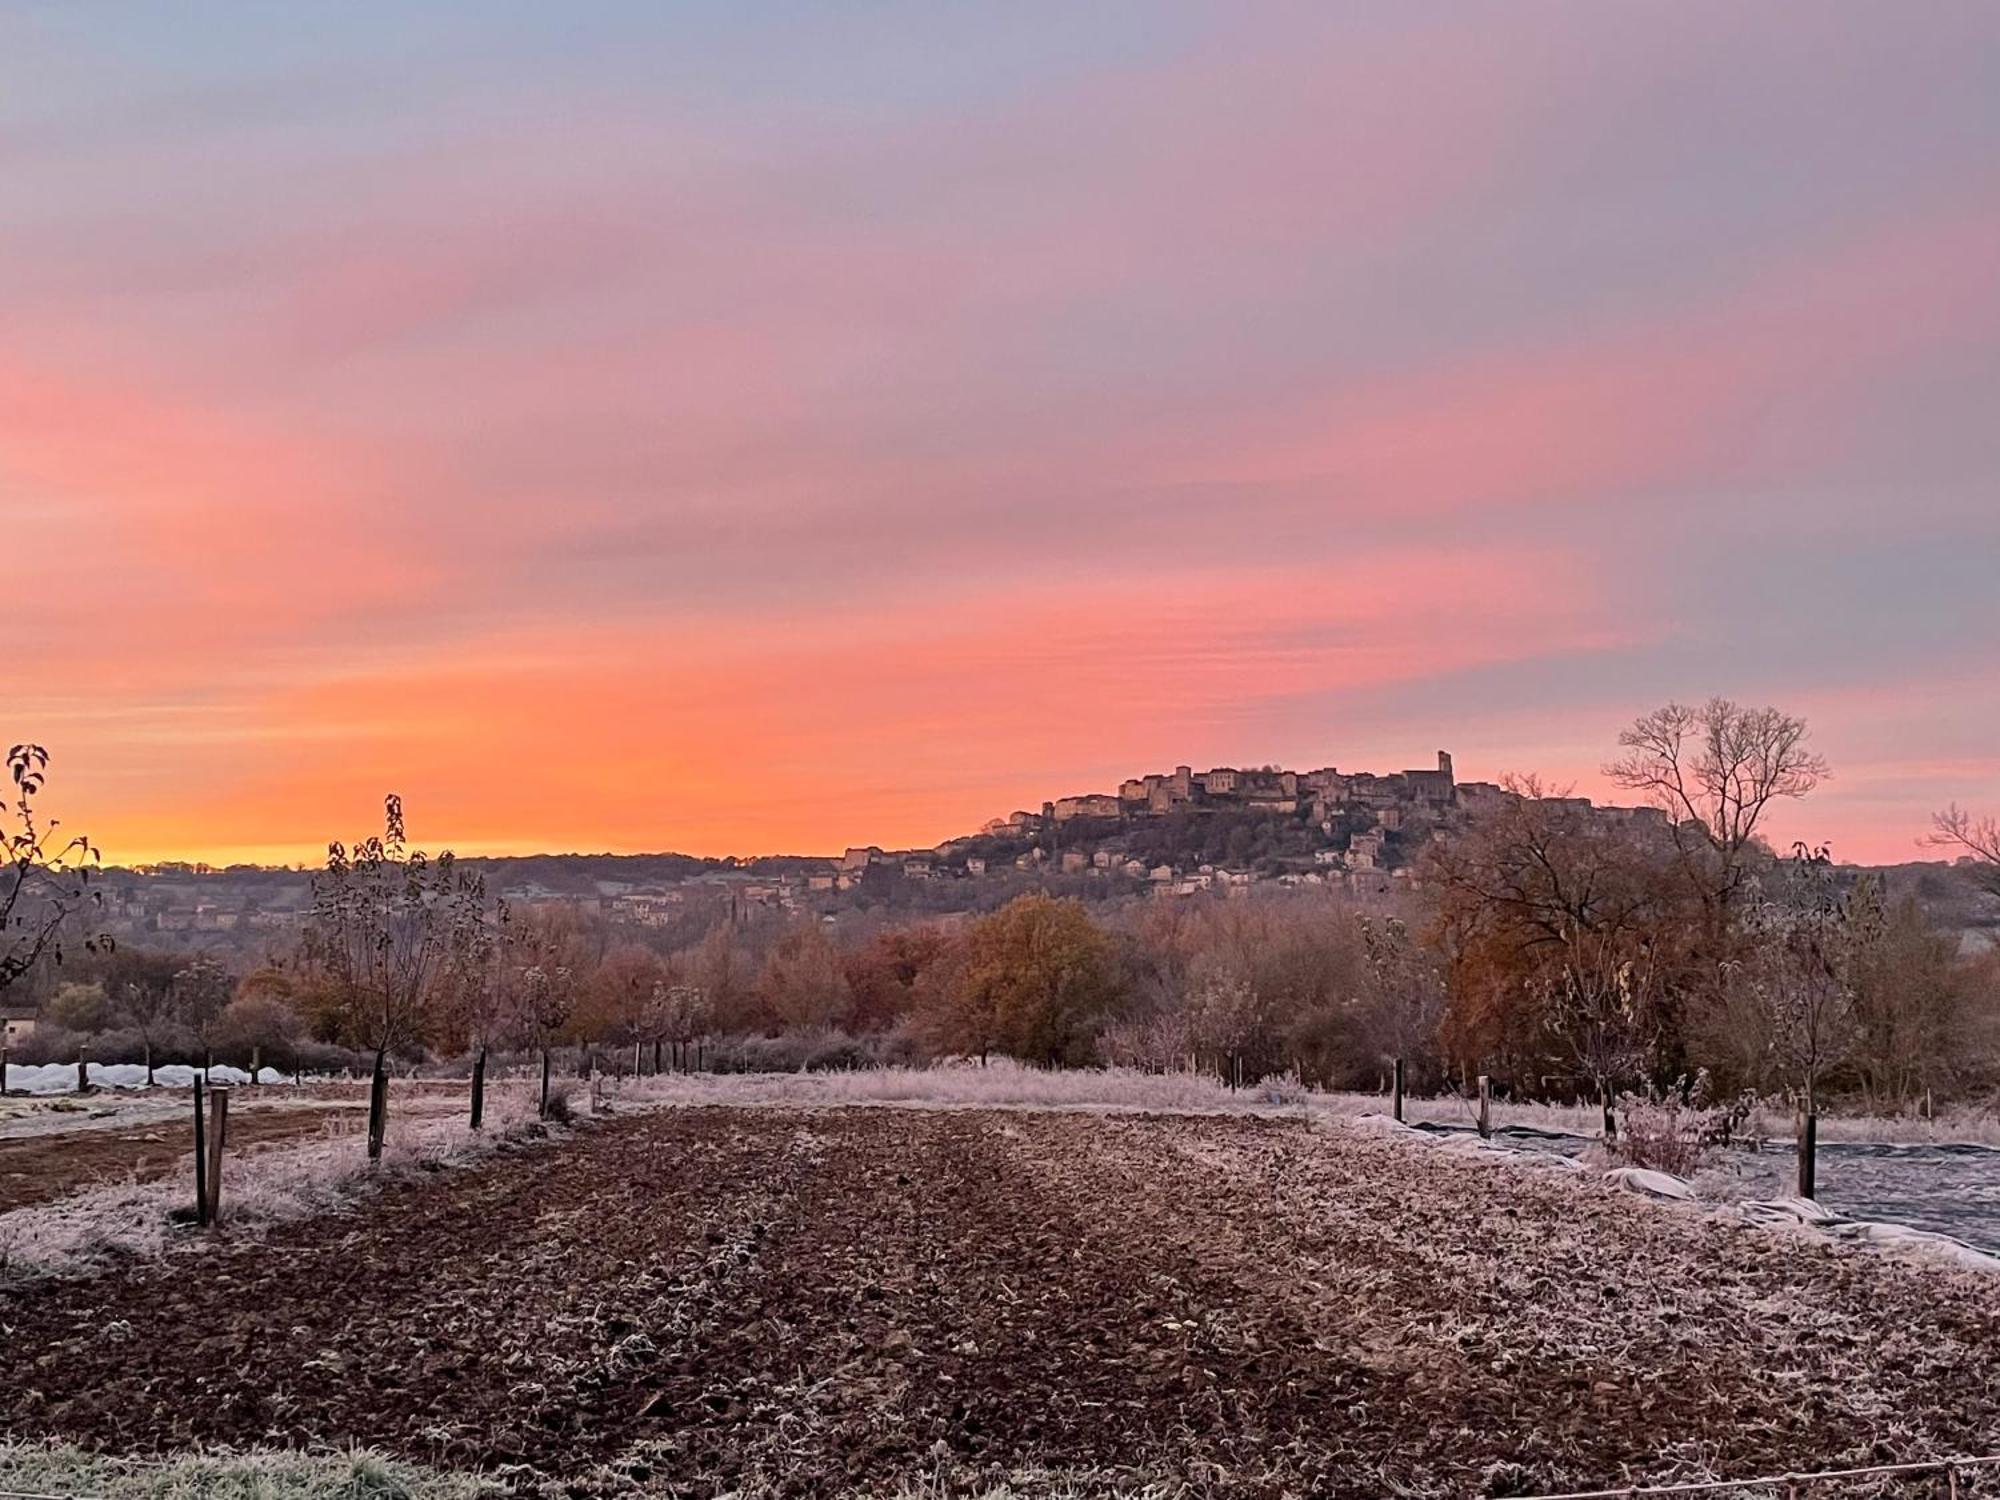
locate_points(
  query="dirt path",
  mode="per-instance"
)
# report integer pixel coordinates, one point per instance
(799, 1303)
(44, 1168)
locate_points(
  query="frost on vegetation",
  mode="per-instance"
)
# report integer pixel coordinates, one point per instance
(1036, 1484)
(250, 1475)
(136, 1220)
(60, 1078)
(1005, 1084)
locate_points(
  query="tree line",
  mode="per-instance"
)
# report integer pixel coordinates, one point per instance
(1565, 951)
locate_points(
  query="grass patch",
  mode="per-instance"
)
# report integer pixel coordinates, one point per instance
(261, 1475)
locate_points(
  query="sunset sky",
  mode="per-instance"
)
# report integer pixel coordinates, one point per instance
(740, 428)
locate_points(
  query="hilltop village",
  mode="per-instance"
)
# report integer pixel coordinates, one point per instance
(1174, 834)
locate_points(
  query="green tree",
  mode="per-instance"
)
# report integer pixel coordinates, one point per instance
(79, 1007)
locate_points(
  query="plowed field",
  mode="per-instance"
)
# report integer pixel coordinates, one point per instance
(812, 1303)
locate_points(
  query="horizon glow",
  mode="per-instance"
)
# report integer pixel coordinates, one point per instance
(727, 431)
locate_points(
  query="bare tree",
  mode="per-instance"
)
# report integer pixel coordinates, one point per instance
(1715, 771)
(1406, 982)
(143, 996)
(1560, 921)
(391, 928)
(542, 963)
(1979, 838)
(198, 994)
(1802, 975)
(681, 1014)
(45, 878)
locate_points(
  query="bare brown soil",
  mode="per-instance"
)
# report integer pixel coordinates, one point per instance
(44, 1168)
(812, 1303)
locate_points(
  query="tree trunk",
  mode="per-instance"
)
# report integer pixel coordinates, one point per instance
(479, 1088)
(378, 1105)
(149, 1063)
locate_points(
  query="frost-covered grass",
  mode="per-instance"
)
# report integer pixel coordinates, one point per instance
(257, 1475)
(1005, 1084)
(1002, 1084)
(1960, 1126)
(124, 1221)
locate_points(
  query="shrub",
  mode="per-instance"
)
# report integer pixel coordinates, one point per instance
(817, 1051)
(1675, 1133)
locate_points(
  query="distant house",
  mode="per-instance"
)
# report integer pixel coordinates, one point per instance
(17, 1025)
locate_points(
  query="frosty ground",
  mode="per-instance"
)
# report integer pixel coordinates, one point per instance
(790, 1300)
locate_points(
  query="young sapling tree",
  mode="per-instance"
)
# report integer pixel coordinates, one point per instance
(391, 929)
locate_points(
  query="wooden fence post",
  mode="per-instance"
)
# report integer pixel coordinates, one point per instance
(200, 1160)
(1610, 1120)
(544, 1110)
(218, 1135)
(256, 1064)
(1396, 1109)
(1485, 1106)
(83, 1068)
(479, 1088)
(3, 1070)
